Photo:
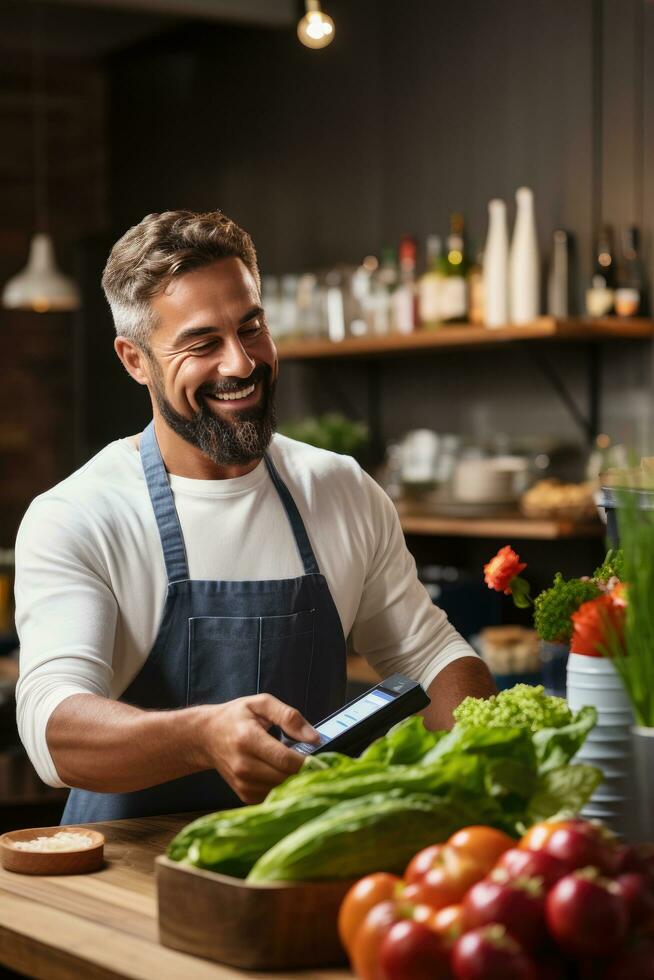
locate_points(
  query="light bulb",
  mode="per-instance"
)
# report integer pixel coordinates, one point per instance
(316, 29)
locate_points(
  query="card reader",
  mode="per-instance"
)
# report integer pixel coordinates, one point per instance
(352, 728)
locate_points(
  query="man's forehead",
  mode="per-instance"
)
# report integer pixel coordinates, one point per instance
(224, 289)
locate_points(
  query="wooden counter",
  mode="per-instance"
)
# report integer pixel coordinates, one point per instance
(104, 925)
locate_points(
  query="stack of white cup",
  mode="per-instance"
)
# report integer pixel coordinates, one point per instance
(594, 681)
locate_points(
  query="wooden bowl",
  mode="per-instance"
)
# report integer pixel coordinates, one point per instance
(89, 857)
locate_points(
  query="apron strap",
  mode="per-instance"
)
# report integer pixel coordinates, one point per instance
(170, 532)
(297, 524)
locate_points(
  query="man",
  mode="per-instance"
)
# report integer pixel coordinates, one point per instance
(188, 590)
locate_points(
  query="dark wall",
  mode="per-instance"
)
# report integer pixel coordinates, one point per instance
(416, 110)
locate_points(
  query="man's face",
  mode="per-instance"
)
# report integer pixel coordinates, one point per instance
(214, 364)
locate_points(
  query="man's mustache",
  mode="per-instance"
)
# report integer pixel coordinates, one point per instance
(261, 373)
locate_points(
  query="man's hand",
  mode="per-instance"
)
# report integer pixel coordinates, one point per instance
(235, 741)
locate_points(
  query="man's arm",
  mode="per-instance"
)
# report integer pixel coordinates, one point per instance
(110, 747)
(465, 677)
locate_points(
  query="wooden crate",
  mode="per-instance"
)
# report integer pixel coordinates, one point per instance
(254, 926)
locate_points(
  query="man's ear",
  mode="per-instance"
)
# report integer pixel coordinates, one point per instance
(133, 359)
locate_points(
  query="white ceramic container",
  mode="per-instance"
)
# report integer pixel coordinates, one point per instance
(496, 266)
(524, 262)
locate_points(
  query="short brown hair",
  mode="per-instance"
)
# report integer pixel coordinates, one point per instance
(159, 248)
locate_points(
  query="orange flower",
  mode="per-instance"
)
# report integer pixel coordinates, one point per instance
(594, 622)
(502, 569)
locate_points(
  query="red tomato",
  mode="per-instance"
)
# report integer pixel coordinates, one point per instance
(447, 881)
(634, 962)
(422, 862)
(639, 896)
(538, 835)
(490, 954)
(586, 914)
(582, 845)
(532, 864)
(448, 923)
(517, 905)
(411, 951)
(638, 858)
(361, 897)
(364, 950)
(483, 844)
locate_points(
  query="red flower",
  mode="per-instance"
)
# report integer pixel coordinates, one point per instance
(502, 569)
(595, 621)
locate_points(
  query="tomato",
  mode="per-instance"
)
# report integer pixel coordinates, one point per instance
(490, 954)
(532, 864)
(586, 914)
(364, 950)
(422, 862)
(361, 897)
(538, 835)
(638, 858)
(638, 893)
(411, 951)
(483, 844)
(447, 881)
(448, 923)
(517, 905)
(634, 962)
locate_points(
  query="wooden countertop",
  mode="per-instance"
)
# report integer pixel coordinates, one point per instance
(104, 925)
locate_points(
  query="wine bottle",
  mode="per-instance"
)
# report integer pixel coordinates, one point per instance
(454, 266)
(404, 295)
(558, 285)
(600, 295)
(430, 286)
(629, 294)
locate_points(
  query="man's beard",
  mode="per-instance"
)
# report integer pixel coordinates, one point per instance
(239, 439)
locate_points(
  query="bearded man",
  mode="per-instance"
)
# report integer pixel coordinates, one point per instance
(185, 597)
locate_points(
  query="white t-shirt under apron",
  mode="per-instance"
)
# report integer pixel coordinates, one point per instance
(91, 581)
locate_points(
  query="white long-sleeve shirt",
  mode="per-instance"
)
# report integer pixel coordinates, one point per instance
(91, 581)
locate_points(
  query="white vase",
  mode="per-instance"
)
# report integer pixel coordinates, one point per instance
(496, 266)
(524, 263)
(608, 747)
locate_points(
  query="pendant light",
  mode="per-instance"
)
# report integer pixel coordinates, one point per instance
(316, 29)
(40, 286)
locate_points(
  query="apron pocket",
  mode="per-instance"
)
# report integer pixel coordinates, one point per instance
(234, 656)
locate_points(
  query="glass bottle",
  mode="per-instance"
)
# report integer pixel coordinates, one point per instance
(600, 295)
(629, 294)
(430, 286)
(454, 305)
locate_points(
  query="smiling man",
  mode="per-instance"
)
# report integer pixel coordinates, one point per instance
(188, 592)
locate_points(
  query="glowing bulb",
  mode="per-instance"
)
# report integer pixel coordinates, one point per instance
(316, 29)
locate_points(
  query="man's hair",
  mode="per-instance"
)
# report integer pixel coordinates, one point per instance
(162, 246)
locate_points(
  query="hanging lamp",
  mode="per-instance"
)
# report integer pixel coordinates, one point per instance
(40, 286)
(316, 29)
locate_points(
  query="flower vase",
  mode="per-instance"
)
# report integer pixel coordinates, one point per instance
(643, 749)
(594, 681)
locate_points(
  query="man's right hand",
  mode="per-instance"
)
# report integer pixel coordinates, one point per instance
(235, 741)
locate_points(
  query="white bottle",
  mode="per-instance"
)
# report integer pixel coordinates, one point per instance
(524, 263)
(496, 266)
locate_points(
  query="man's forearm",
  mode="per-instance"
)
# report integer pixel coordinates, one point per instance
(111, 747)
(465, 677)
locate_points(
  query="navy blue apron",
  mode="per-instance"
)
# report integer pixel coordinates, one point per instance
(223, 640)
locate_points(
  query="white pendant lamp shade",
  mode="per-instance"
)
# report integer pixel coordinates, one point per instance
(40, 286)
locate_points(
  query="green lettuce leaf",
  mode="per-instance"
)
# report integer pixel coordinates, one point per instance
(404, 744)
(562, 792)
(557, 746)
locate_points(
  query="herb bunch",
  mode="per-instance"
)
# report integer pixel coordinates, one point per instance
(554, 607)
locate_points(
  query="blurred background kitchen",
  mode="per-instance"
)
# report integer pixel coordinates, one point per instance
(453, 207)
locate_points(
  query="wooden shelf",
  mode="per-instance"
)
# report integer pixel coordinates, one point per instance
(466, 335)
(511, 527)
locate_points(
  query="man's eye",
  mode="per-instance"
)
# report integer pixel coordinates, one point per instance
(252, 331)
(201, 348)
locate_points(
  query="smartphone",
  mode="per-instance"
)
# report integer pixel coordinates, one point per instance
(352, 728)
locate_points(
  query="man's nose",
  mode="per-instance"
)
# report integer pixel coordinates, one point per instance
(235, 362)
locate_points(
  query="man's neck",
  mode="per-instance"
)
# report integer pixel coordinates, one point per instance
(182, 459)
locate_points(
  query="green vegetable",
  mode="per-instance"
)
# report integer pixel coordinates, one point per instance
(554, 607)
(521, 706)
(612, 566)
(405, 743)
(556, 746)
(562, 792)
(232, 840)
(380, 832)
(331, 431)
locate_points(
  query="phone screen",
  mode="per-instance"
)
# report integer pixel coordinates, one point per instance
(354, 713)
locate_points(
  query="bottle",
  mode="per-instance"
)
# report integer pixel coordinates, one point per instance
(383, 285)
(271, 302)
(524, 262)
(454, 265)
(362, 301)
(629, 294)
(403, 314)
(430, 285)
(558, 284)
(600, 295)
(476, 302)
(496, 266)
